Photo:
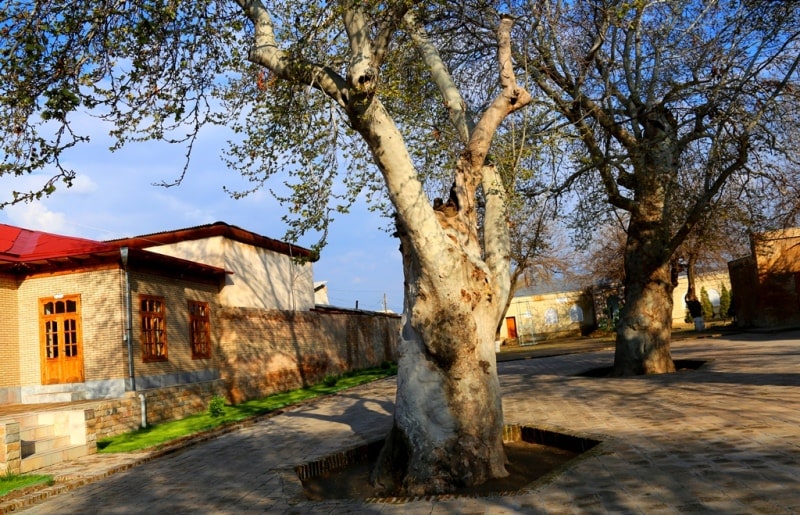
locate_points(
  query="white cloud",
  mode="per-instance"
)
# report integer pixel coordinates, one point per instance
(36, 216)
(82, 185)
(112, 196)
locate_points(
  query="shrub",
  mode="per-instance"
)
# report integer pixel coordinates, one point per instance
(708, 308)
(216, 408)
(724, 302)
(330, 380)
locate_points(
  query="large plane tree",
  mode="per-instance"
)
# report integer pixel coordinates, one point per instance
(356, 88)
(672, 100)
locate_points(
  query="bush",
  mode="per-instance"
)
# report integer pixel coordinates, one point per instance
(216, 408)
(330, 380)
(705, 301)
(724, 302)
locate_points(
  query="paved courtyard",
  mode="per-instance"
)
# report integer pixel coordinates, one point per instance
(721, 439)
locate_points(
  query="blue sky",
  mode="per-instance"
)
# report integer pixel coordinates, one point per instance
(113, 197)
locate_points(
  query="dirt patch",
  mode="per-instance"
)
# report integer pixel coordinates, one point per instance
(528, 461)
(681, 365)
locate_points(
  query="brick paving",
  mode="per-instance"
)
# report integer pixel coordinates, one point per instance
(721, 439)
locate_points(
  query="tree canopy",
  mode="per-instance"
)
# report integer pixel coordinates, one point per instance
(347, 97)
(672, 101)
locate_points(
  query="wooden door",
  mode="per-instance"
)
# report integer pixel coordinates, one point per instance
(511, 327)
(61, 340)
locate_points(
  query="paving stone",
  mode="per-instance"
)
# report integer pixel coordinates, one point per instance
(721, 439)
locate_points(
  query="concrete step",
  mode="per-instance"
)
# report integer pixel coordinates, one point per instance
(52, 457)
(36, 432)
(51, 437)
(54, 396)
(51, 443)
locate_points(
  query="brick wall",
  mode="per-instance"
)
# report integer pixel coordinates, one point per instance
(176, 293)
(101, 320)
(103, 323)
(262, 352)
(9, 333)
(117, 416)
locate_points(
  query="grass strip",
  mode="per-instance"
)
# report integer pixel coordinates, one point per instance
(9, 481)
(160, 434)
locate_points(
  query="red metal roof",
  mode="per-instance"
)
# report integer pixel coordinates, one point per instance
(18, 244)
(215, 229)
(23, 251)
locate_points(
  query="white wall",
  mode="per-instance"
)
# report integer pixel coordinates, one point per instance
(261, 278)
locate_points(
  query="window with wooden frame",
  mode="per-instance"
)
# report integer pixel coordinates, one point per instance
(152, 314)
(200, 329)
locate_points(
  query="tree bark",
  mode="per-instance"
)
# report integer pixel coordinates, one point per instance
(448, 422)
(645, 325)
(448, 417)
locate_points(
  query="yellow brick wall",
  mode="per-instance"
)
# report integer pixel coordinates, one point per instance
(9, 333)
(103, 322)
(102, 311)
(177, 293)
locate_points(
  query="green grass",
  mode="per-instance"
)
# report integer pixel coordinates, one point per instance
(156, 435)
(9, 482)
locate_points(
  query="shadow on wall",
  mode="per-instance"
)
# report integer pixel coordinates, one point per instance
(265, 351)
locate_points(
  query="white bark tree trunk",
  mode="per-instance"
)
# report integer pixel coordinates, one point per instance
(448, 416)
(448, 420)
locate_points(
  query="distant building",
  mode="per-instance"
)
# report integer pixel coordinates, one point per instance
(560, 310)
(555, 311)
(766, 284)
(712, 282)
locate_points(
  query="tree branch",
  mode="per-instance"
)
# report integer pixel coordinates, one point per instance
(511, 98)
(265, 52)
(396, 16)
(497, 245)
(362, 75)
(453, 101)
(701, 204)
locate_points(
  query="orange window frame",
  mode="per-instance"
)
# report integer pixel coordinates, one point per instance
(200, 329)
(153, 328)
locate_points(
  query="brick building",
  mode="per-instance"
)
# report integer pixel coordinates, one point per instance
(766, 284)
(214, 309)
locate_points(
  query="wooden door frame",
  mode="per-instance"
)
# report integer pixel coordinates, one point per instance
(77, 360)
(508, 332)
